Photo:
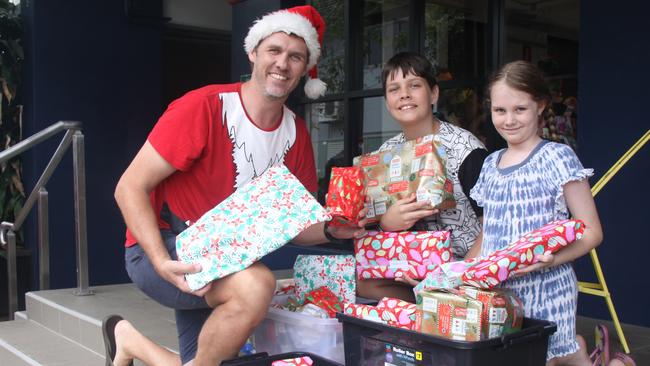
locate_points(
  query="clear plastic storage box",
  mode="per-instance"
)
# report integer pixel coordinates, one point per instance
(284, 331)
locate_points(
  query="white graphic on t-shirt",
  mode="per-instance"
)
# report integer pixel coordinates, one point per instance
(255, 150)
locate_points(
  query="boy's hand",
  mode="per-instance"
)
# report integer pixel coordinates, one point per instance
(405, 213)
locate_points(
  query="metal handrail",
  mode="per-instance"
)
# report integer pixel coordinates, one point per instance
(74, 136)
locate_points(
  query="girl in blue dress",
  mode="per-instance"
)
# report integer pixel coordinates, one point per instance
(523, 187)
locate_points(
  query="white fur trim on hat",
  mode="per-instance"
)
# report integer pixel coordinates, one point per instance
(315, 88)
(287, 22)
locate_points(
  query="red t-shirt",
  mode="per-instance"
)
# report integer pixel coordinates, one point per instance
(216, 148)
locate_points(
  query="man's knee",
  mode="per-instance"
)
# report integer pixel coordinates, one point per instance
(252, 287)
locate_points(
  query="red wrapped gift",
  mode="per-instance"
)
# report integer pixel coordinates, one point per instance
(325, 299)
(496, 268)
(345, 196)
(385, 254)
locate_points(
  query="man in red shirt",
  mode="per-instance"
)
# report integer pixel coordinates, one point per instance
(207, 144)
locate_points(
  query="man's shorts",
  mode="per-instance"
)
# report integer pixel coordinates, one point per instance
(191, 311)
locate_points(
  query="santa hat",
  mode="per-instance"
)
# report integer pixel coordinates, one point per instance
(302, 21)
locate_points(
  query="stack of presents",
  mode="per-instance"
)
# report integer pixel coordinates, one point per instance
(458, 300)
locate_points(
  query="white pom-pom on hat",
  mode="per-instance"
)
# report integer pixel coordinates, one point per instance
(302, 21)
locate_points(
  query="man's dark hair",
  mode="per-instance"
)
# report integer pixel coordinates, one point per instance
(408, 62)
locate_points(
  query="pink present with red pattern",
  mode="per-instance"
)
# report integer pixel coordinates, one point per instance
(298, 361)
(385, 254)
(550, 238)
(404, 312)
(389, 311)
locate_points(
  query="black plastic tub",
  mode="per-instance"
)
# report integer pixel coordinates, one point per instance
(369, 343)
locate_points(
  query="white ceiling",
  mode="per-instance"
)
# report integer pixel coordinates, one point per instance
(212, 14)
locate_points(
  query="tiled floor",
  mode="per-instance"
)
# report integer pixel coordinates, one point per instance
(638, 338)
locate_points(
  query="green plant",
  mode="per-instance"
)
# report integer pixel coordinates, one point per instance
(12, 193)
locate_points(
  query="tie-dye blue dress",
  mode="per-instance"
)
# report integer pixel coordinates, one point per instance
(519, 199)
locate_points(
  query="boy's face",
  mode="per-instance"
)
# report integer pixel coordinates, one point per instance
(409, 98)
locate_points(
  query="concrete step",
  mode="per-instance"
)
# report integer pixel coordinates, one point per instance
(25, 342)
(57, 326)
(79, 317)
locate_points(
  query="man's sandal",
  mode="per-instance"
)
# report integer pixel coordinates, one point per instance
(108, 332)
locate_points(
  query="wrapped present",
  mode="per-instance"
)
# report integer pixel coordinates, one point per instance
(503, 312)
(255, 220)
(389, 311)
(385, 254)
(449, 315)
(298, 361)
(368, 312)
(446, 276)
(497, 267)
(313, 310)
(416, 166)
(285, 286)
(337, 272)
(345, 197)
(325, 299)
(404, 312)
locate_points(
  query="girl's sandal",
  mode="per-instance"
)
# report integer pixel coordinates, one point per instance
(600, 355)
(627, 360)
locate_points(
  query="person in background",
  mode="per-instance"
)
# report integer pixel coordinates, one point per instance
(410, 91)
(207, 144)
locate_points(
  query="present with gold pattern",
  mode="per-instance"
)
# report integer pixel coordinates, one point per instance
(449, 315)
(503, 312)
(415, 166)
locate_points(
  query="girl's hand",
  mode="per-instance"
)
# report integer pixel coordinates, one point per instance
(405, 213)
(545, 261)
(406, 279)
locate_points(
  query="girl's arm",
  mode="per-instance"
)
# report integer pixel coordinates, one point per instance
(580, 202)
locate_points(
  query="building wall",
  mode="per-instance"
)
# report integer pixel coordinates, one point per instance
(86, 61)
(199, 13)
(613, 115)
